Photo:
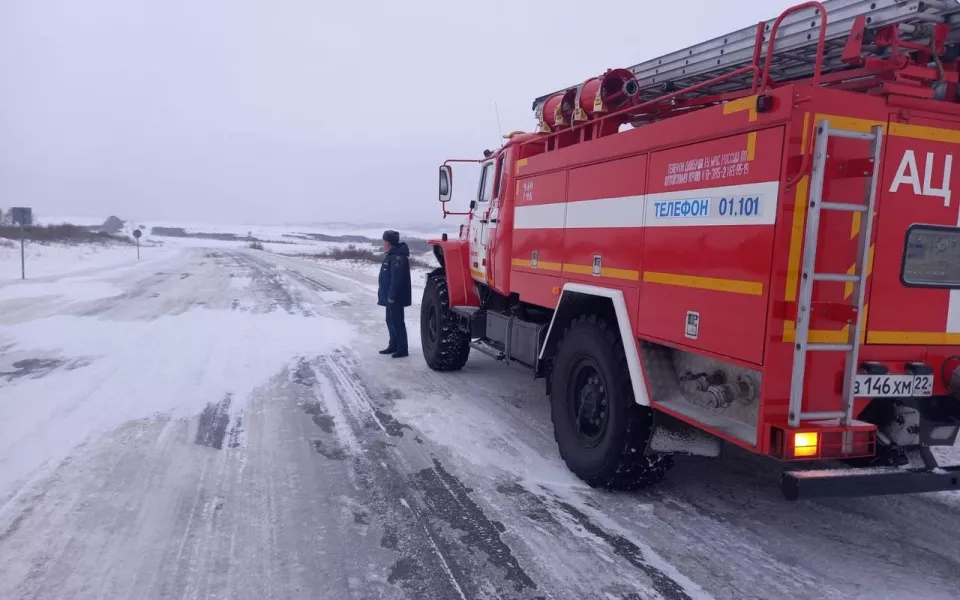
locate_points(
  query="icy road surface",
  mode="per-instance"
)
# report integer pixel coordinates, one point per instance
(218, 424)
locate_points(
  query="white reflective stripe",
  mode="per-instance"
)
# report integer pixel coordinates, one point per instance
(540, 216)
(953, 312)
(751, 204)
(625, 211)
(748, 204)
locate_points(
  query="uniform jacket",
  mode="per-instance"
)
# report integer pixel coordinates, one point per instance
(395, 276)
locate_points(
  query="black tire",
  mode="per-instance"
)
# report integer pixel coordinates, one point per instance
(600, 429)
(445, 347)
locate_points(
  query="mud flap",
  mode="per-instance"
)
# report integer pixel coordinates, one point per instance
(672, 436)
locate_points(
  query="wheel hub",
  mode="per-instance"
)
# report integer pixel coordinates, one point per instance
(590, 404)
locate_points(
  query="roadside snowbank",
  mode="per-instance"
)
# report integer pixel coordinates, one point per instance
(65, 379)
(77, 289)
(44, 260)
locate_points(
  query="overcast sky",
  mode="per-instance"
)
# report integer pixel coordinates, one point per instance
(272, 111)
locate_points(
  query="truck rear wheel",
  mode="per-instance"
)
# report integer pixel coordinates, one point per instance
(445, 347)
(600, 429)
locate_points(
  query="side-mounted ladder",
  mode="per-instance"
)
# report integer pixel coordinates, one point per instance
(809, 276)
(795, 52)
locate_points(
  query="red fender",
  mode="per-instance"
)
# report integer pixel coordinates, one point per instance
(460, 286)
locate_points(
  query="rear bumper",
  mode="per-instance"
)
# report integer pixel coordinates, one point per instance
(876, 481)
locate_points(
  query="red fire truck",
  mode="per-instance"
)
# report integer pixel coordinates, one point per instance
(751, 241)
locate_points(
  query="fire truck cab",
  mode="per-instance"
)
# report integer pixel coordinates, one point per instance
(751, 241)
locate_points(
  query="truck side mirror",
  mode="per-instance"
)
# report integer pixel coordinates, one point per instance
(446, 183)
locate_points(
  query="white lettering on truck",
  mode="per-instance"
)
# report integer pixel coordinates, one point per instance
(908, 173)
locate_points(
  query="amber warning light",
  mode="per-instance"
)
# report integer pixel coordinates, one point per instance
(805, 443)
(823, 443)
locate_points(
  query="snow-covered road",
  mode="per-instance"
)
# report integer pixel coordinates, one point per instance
(218, 424)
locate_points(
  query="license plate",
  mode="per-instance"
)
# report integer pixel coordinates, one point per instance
(885, 386)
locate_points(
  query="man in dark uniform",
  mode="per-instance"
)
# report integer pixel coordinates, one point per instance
(394, 291)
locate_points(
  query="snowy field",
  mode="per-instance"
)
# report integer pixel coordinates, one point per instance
(282, 247)
(43, 260)
(283, 233)
(215, 422)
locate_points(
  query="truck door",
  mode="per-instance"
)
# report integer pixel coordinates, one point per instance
(494, 244)
(914, 293)
(479, 223)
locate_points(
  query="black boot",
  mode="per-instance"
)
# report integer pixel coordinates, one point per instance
(400, 354)
(388, 351)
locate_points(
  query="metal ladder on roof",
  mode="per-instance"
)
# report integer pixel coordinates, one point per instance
(796, 46)
(809, 276)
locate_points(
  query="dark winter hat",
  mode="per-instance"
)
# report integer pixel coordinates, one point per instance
(391, 236)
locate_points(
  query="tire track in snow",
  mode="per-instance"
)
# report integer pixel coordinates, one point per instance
(338, 410)
(351, 390)
(421, 567)
(213, 421)
(271, 283)
(666, 585)
(311, 281)
(668, 582)
(445, 497)
(439, 505)
(562, 510)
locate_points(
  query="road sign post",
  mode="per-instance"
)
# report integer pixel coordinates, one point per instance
(22, 216)
(136, 236)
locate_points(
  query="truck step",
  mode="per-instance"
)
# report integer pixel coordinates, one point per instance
(822, 415)
(844, 206)
(854, 135)
(485, 348)
(836, 277)
(867, 482)
(829, 347)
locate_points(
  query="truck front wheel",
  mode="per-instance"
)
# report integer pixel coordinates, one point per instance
(601, 431)
(445, 346)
